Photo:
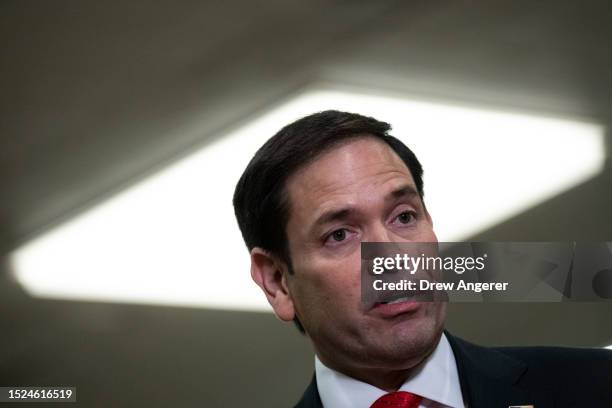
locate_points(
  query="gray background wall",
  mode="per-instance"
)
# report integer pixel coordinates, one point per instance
(95, 96)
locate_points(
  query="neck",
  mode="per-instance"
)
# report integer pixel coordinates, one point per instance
(389, 381)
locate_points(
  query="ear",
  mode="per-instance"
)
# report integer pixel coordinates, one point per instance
(271, 276)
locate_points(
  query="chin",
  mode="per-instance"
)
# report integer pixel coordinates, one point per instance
(406, 344)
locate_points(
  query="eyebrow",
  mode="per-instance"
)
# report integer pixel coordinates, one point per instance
(344, 213)
(402, 192)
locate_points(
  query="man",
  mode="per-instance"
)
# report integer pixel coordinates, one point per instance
(304, 204)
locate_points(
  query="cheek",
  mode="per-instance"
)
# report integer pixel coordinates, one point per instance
(436, 313)
(427, 234)
(324, 285)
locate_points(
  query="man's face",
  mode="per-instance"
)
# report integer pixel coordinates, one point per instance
(358, 191)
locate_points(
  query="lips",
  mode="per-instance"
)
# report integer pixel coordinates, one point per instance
(394, 305)
(402, 296)
(397, 307)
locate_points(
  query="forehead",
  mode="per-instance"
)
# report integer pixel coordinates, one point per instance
(350, 172)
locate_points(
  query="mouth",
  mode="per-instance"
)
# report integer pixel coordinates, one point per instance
(394, 305)
(399, 297)
(398, 300)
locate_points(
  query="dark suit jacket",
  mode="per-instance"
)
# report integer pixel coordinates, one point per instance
(540, 376)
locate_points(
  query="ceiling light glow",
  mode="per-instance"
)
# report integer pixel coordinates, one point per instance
(172, 238)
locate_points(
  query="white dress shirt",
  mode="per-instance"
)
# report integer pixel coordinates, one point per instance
(437, 382)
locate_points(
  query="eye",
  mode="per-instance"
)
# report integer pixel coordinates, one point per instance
(338, 235)
(406, 217)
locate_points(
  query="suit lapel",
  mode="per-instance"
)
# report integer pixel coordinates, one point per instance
(491, 379)
(311, 398)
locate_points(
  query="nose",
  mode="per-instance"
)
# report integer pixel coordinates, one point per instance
(378, 232)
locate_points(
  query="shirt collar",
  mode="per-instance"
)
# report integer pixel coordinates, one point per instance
(437, 380)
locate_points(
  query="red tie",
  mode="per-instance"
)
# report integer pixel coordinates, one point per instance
(400, 399)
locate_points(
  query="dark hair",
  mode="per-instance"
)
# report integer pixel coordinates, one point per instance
(260, 201)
